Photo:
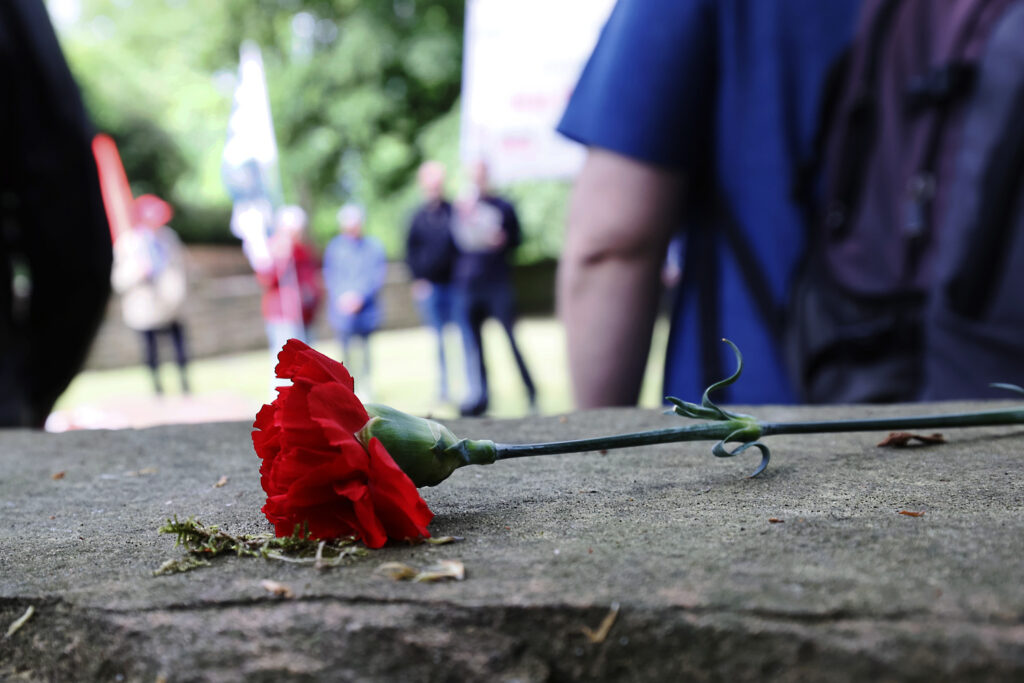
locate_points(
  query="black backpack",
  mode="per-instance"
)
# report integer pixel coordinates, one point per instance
(913, 285)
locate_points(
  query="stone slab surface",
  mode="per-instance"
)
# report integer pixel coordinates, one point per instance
(844, 588)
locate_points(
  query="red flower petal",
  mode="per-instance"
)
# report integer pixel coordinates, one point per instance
(297, 429)
(297, 360)
(332, 522)
(369, 528)
(265, 417)
(314, 470)
(266, 440)
(399, 505)
(337, 412)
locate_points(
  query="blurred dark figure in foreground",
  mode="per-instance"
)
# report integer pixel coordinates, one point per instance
(697, 113)
(355, 266)
(430, 255)
(291, 281)
(149, 274)
(486, 231)
(55, 256)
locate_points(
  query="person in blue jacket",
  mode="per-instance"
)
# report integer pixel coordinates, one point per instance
(697, 115)
(355, 267)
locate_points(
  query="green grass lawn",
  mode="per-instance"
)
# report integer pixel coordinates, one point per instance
(404, 372)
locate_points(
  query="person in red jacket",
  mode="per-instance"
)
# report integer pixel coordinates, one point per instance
(291, 283)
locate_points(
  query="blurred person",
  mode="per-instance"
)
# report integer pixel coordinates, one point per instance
(354, 269)
(291, 280)
(55, 252)
(705, 125)
(149, 274)
(486, 231)
(430, 255)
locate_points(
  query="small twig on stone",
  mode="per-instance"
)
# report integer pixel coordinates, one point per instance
(318, 561)
(602, 631)
(180, 565)
(20, 621)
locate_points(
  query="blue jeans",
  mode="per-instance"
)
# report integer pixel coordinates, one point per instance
(472, 305)
(436, 311)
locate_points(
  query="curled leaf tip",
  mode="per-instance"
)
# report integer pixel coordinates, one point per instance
(694, 411)
(1008, 387)
(749, 435)
(720, 450)
(721, 384)
(708, 410)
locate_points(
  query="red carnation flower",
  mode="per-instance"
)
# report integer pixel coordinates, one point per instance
(317, 472)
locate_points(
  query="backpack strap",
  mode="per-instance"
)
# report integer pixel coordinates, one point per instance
(803, 190)
(751, 269)
(700, 276)
(936, 90)
(972, 289)
(861, 124)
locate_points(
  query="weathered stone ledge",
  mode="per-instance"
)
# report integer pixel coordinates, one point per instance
(844, 588)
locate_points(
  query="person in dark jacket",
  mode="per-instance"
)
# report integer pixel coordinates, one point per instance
(486, 231)
(430, 255)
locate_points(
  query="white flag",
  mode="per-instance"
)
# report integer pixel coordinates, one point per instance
(249, 165)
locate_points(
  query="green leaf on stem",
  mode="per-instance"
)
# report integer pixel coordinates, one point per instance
(707, 410)
(1009, 387)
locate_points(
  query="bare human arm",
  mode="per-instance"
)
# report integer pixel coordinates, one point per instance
(621, 217)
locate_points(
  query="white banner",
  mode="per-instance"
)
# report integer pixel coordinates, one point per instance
(249, 165)
(521, 62)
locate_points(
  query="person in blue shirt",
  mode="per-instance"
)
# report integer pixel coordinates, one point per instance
(355, 267)
(696, 115)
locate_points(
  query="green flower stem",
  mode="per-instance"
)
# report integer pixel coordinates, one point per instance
(710, 431)
(728, 427)
(951, 420)
(746, 430)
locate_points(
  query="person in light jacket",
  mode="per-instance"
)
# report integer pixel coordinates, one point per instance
(149, 274)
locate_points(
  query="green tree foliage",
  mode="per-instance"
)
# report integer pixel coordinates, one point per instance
(361, 92)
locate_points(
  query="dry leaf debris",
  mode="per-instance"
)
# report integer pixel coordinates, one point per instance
(443, 540)
(439, 571)
(277, 588)
(903, 439)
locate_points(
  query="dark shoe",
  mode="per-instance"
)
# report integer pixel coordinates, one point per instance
(473, 409)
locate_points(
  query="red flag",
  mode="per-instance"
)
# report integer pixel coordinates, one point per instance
(117, 195)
